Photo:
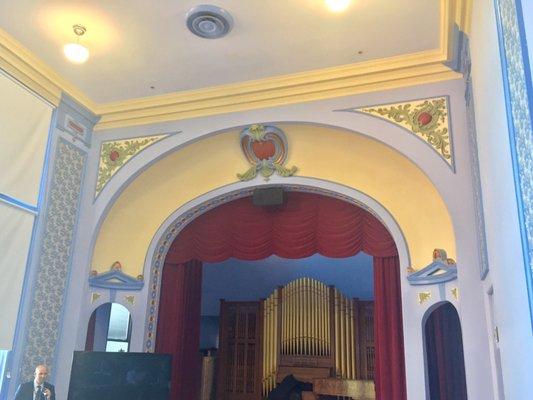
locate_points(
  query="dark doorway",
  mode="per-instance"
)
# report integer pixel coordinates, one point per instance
(444, 354)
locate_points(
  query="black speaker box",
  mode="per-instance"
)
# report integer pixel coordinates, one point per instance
(271, 196)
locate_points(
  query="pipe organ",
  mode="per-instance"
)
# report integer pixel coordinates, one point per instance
(312, 331)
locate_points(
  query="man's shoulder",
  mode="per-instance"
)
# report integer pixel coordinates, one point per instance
(26, 387)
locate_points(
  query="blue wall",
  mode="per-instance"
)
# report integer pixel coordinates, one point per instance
(236, 280)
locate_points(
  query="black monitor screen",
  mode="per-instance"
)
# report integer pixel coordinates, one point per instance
(116, 376)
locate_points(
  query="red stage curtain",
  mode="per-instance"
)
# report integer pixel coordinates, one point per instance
(89, 341)
(178, 326)
(445, 359)
(388, 330)
(306, 224)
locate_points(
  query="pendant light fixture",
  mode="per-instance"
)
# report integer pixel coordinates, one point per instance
(338, 6)
(75, 52)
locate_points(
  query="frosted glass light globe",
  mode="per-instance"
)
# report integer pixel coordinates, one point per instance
(76, 53)
(338, 5)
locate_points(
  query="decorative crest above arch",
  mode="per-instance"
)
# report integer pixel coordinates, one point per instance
(115, 279)
(442, 269)
(265, 147)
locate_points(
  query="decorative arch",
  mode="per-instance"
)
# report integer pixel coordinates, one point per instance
(178, 220)
(180, 281)
(210, 168)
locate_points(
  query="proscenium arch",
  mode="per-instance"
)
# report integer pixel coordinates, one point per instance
(183, 216)
(323, 153)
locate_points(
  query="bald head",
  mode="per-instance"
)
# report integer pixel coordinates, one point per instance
(41, 372)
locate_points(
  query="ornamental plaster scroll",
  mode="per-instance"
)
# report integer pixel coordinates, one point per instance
(115, 154)
(427, 119)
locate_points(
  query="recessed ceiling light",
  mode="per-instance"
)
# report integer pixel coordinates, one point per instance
(338, 5)
(75, 52)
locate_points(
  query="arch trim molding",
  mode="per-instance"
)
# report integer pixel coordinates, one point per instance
(185, 214)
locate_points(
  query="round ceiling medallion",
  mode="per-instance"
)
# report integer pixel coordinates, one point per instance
(209, 21)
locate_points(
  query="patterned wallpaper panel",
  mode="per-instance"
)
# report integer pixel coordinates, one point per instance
(520, 121)
(52, 273)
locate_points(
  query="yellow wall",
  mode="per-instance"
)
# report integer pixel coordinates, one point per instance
(319, 152)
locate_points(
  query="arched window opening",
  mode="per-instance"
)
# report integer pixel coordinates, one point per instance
(109, 329)
(444, 354)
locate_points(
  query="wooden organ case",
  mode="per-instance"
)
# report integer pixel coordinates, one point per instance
(305, 328)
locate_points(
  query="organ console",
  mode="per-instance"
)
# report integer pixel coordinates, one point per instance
(306, 329)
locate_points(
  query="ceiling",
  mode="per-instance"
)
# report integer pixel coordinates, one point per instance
(143, 49)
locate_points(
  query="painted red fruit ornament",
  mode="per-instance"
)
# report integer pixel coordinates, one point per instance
(263, 149)
(424, 118)
(113, 156)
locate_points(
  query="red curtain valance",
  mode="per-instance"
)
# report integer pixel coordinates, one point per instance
(306, 224)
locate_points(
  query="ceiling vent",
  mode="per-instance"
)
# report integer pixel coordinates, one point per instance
(209, 22)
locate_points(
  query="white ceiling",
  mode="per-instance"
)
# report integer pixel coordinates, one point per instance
(136, 44)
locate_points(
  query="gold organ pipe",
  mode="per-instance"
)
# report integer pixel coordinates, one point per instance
(308, 319)
(301, 316)
(308, 322)
(291, 318)
(268, 347)
(269, 350)
(344, 341)
(320, 317)
(340, 336)
(325, 322)
(270, 342)
(353, 339)
(286, 325)
(313, 318)
(282, 344)
(275, 336)
(337, 338)
(265, 375)
(305, 332)
(348, 342)
(349, 338)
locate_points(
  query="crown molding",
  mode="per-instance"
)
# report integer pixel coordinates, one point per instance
(463, 15)
(266, 93)
(31, 71)
(375, 75)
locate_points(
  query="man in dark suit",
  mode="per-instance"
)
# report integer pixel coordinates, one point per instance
(37, 389)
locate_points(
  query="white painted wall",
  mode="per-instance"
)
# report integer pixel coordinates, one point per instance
(507, 275)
